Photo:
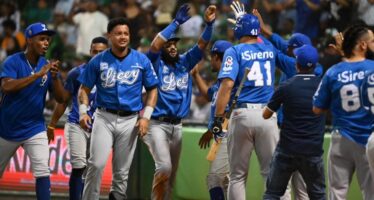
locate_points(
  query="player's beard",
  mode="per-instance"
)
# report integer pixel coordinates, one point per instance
(169, 59)
(370, 54)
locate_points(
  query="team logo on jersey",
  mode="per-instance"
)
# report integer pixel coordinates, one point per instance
(110, 76)
(103, 66)
(44, 80)
(165, 69)
(228, 64)
(170, 82)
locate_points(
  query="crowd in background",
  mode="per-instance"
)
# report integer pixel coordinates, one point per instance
(78, 21)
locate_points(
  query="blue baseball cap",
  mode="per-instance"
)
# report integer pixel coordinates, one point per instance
(220, 46)
(306, 56)
(173, 37)
(36, 29)
(298, 39)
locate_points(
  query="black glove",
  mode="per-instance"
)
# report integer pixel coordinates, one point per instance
(217, 125)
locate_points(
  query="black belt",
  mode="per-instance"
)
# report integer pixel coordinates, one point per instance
(171, 120)
(121, 113)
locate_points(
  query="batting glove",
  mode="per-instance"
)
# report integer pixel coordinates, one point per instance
(238, 9)
(217, 125)
(182, 14)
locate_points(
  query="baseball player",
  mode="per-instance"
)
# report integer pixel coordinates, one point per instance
(119, 73)
(217, 178)
(300, 147)
(25, 79)
(247, 130)
(164, 138)
(339, 92)
(77, 138)
(367, 92)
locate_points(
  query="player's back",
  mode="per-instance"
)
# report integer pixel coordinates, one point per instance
(260, 59)
(349, 116)
(367, 94)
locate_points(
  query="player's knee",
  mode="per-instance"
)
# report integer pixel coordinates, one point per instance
(98, 165)
(41, 172)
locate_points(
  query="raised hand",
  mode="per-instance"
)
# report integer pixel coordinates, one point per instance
(55, 68)
(238, 9)
(182, 14)
(210, 14)
(338, 43)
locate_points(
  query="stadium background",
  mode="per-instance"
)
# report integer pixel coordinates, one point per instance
(147, 17)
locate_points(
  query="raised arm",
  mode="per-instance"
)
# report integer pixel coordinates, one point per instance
(162, 37)
(201, 84)
(209, 18)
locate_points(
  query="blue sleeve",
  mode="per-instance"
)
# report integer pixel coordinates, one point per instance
(318, 71)
(279, 42)
(210, 93)
(90, 74)
(287, 64)
(9, 69)
(277, 99)
(149, 75)
(322, 97)
(230, 65)
(71, 80)
(192, 57)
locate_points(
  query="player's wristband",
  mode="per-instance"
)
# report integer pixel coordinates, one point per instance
(51, 127)
(148, 110)
(207, 34)
(83, 109)
(169, 30)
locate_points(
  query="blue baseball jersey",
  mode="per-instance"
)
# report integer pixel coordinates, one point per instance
(175, 86)
(21, 113)
(367, 94)
(72, 86)
(260, 59)
(119, 82)
(339, 91)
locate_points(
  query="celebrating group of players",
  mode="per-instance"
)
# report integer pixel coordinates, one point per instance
(106, 96)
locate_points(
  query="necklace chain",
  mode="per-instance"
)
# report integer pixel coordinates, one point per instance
(28, 63)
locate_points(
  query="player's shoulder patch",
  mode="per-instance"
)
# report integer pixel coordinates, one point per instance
(228, 64)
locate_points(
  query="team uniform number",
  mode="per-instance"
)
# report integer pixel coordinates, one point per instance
(257, 76)
(350, 96)
(371, 98)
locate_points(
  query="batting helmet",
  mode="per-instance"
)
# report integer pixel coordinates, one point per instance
(247, 24)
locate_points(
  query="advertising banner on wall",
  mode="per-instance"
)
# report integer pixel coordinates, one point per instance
(18, 175)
